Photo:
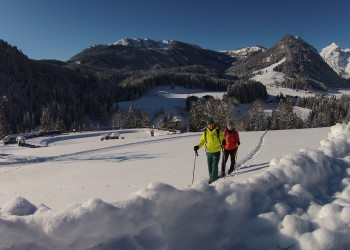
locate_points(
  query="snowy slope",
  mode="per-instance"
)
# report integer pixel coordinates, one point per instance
(338, 59)
(243, 53)
(166, 98)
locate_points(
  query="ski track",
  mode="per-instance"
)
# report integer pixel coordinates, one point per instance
(249, 158)
(247, 161)
(25, 161)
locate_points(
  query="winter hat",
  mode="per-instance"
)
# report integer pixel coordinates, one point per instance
(229, 123)
(210, 121)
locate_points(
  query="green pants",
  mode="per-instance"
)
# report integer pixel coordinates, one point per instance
(213, 162)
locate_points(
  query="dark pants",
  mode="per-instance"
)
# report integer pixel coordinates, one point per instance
(213, 160)
(232, 154)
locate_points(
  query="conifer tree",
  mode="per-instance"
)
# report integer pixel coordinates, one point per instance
(170, 121)
(146, 120)
(60, 126)
(46, 121)
(254, 119)
(198, 116)
(4, 128)
(118, 119)
(138, 118)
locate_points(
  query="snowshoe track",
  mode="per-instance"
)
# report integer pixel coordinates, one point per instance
(26, 160)
(246, 161)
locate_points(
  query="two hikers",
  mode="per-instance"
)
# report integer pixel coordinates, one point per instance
(214, 140)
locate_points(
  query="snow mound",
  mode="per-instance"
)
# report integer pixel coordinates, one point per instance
(19, 206)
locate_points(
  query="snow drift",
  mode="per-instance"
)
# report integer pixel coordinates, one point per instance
(302, 201)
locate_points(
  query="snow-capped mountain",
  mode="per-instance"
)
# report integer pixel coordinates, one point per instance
(300, 63)
(243, 53)
(338, 59)
(144, 43)
(145, 54)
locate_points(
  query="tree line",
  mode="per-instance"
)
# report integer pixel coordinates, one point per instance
(324, 111)
(255, 119)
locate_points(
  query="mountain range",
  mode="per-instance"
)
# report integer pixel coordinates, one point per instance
(87, 86)
(303, 66)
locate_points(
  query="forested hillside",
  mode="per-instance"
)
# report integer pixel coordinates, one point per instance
(33, 91)
(53, 95)
(83, 93)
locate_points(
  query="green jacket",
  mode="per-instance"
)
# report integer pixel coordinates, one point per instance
(211, 139)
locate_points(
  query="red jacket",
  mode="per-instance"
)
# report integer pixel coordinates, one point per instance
(232, 139)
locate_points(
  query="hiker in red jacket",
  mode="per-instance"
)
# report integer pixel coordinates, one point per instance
(232, 143)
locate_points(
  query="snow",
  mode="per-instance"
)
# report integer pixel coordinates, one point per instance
(268, 76)
(74, 191)
(77, 192)
(166, 98)
(273, 80)
(243, 53)
(338, 59)
(144, 43)
(303, 113)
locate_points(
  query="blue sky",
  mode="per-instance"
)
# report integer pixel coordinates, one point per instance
(59, 29)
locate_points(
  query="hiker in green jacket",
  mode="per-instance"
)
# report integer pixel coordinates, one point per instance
(213, 139)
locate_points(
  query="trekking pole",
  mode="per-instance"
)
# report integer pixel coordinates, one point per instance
(236, 159)
(194, 164)
(223, 164)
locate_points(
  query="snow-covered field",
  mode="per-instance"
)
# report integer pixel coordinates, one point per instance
(167, 98)
(77, 192)
(74, 191)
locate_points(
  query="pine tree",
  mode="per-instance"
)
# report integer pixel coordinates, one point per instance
(284, 118)
(4, 127)
(118, 119)
(254, 119)
(170, 121)
(46, 121)
(60, 126)
(221, 111)
(131, 120)
(146, 120)
(198, 116)
(138, 118)
(27, 122)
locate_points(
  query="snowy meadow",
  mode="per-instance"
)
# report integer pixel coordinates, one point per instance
(291, 190)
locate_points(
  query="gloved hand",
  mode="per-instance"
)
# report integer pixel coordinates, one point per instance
(223, 142)
(239, 143)
(196, 148)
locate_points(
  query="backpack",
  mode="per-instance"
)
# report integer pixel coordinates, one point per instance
(231, 142)
(234, 133)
